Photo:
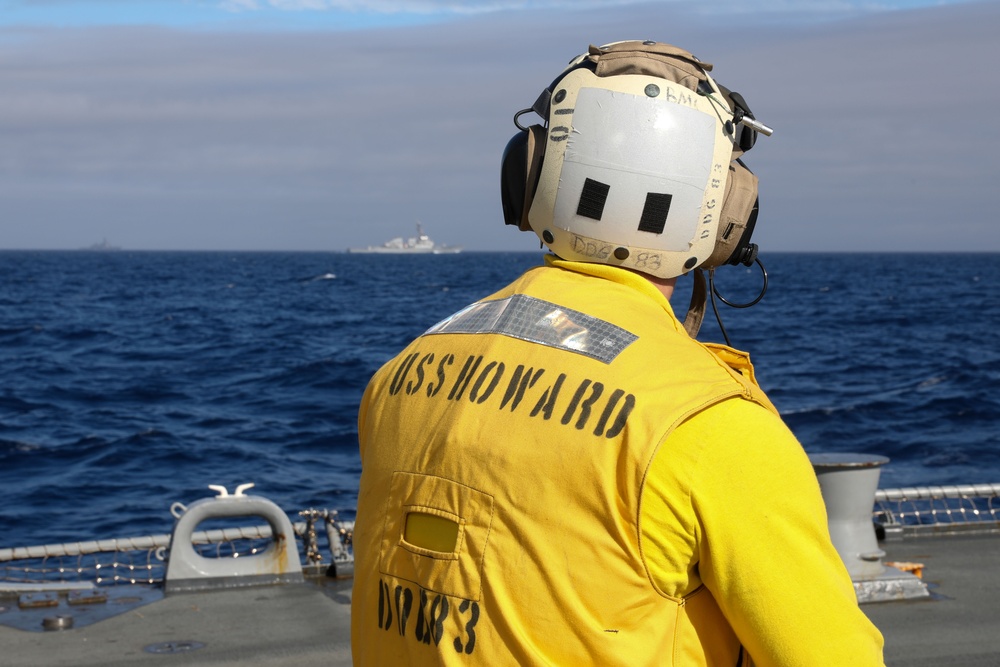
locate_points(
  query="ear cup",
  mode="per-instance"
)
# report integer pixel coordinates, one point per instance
(746, 252)
(519, 171)
(513, 178)
(737, 219)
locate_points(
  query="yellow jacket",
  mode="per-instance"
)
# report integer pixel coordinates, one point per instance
(559, 475)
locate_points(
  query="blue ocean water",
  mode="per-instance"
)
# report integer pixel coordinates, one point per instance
(131, 380)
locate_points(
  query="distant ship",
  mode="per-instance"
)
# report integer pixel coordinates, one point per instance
(103, 246)
(421, 244)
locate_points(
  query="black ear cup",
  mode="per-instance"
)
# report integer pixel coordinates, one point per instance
(513, 178)
(520, 169)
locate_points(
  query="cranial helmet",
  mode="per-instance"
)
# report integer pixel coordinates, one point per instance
(637, 164)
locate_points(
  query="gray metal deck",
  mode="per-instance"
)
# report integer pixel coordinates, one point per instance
(296, 624)
(309, 624)
(960, 623)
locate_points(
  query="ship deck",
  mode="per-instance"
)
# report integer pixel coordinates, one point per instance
(308, 624)
(294, 624)
(957, 624)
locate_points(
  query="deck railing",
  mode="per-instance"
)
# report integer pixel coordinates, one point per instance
(938, 509)
(142, 560)
(902, 511)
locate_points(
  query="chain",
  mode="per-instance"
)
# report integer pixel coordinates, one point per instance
(309, 538)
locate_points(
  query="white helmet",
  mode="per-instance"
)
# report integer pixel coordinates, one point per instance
(637, 165)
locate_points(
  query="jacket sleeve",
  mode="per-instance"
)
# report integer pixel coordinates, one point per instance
(761, 541)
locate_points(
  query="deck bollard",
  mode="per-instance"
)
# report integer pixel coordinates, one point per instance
(848, 483)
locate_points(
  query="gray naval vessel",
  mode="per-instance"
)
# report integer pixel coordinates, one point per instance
(421, 244)
(238, 581)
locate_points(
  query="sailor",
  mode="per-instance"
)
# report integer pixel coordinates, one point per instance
(561, 474)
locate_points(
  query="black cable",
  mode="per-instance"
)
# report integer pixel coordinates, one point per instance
(713, 292)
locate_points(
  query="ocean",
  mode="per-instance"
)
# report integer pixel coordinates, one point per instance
(131, 380)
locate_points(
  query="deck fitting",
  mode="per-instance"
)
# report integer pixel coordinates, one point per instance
(161, 648)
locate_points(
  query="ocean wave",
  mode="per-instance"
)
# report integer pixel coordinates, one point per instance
(136, 382)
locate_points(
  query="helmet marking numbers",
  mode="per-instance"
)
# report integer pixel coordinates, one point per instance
(559, 133)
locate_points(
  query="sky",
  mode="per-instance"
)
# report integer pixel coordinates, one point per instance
(325, 124)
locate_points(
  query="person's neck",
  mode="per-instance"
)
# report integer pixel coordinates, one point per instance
(665, 285)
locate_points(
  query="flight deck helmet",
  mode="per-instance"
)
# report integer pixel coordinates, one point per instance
(637, 164)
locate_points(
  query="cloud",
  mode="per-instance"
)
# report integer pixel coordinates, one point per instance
(166, 138)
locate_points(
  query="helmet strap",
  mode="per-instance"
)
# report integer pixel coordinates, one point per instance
(696, 308)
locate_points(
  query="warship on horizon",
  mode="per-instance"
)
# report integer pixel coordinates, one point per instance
(415, 245)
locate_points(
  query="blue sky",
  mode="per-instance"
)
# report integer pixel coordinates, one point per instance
(270, 15)
(321, 124)
(261, 15)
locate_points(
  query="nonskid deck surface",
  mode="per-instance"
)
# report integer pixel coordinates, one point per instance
(293, 624)
(235, 593)
(309, 624)
(957, 625)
